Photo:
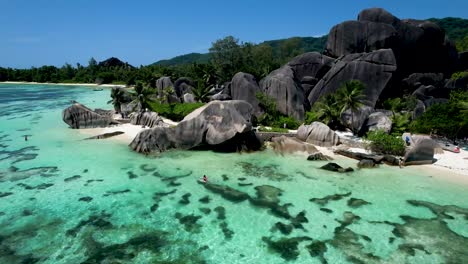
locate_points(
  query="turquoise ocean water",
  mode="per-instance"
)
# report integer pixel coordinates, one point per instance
(68, 200)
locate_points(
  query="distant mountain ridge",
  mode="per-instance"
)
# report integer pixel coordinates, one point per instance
(455, 29)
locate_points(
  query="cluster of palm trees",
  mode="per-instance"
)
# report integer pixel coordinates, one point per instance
(330, 108)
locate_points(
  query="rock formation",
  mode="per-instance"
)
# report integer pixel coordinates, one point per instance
(245, 87)
(285, 89)
(378, 121)
(224, 126)
(421, 153)
(318, 134)
(147, 119)
(287, 145)
(80, 116)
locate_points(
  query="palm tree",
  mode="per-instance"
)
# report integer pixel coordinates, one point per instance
(350, 96)
(117, 95)
(201, 92)
(327, 110)
(143, 95)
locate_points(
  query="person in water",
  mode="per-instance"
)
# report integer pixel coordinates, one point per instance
(26, 138)
(205, 179)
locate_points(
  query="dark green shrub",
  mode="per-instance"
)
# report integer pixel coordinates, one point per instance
(272, 117)
(448, 119)
(383, 143)
(273, 129)
(175, 112)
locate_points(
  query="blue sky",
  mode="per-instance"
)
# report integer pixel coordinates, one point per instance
(53, 32)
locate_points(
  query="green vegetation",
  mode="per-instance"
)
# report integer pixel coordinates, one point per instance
(462, 44)
(383, 143)
(176, 111)
(201, 92)
(272, 117)
(450, 119)
(329, 108)
(458, 75)
(273, 129)
(455, 28)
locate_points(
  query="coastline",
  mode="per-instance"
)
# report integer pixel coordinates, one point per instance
(69, 84)
(449, 167)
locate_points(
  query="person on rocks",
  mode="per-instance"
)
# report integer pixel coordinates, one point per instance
(205, 179)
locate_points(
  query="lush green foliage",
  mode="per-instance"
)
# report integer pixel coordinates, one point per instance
(400, 123)
(458, 75)
(455, 28)
(383, 143)
(272, 117)
(201, 92)
(462, 45)
(282, 50)
(330, 107)
(407, 103)
(273, 129)
(175, 112)
(450, 119)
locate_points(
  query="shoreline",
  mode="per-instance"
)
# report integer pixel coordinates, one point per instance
(445, 169)
(68, 84)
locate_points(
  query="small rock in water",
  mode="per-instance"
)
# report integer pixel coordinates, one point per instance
(221, 211)
(185, 198)
(326, 210)
(5, 194)
(336, 168)
(318, 156)
(225, 177)
(205, 199)
(367, 164)
(85, 199)
(355, 203)
(131, 175)
(72, 178)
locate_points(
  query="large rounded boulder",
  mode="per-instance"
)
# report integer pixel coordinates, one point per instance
(244, 87)
(164, 83)
(378, 121)
(318, 134)
(419, 45)
(80, 116)
(224, 126)
(285, 89)
(373, 69)
(421, 153)
(310, 65)
(356, 37)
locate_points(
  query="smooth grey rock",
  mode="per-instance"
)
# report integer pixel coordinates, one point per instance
(217, 125)
(318, 156)
(311, 64)
(318, 134)
(356, 119)
(373, 69)
(360, 156)
(378, 121)
(415, 80)
(80, 116)
(183, 85)
(164, 83)
(285, 89)
(360, 36)
(421, 153)
(189, 98)
(335, 168)
(419, 45)
(244, 87)
(287, 145)
(367, 164)
(147, 119)
(106, 135)
(221, 97)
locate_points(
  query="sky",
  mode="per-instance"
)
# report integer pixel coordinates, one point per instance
(54, 32)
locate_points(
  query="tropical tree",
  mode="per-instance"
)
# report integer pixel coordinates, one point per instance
(201, 92)
(117, 95)
(351, 97)
(328, 110)
(143, 95)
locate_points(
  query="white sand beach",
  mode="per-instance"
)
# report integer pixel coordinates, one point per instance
(130, 132)
(71, 84)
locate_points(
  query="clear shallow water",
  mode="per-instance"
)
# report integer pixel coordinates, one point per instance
(64, 200)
